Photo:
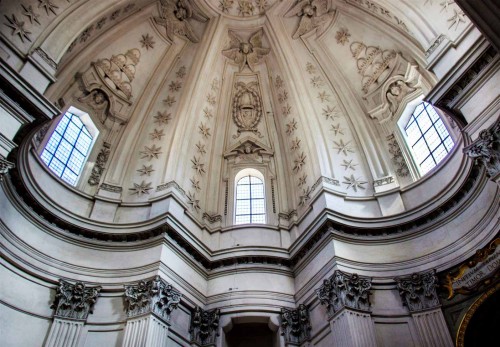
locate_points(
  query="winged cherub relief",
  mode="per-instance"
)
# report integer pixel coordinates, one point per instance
(174, 15)
(246, 53)
(314, 15)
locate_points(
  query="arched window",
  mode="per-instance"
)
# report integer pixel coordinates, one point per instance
(66, 151)
(250, 198)
(427, 137)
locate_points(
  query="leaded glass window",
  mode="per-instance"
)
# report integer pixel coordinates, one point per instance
(250, 201)
(428, 137)
(67, 149)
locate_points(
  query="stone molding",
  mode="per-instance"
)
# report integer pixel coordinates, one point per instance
(295, 325)
(74, 301)
(204, 327)
(154, 296)
(486, 150)
(345, 290)
(418, 291)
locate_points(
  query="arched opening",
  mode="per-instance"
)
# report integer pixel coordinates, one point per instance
(67, 149)
(250, 201)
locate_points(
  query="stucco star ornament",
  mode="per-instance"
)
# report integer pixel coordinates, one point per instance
(18, 28)
(354, 183)
(246, 53)
(141, 188)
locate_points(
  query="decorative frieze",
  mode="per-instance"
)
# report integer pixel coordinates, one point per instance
(74, 301)
(154, 296)
(295, 325)
(418, 291)
(111, 188)
(204, 327)
(486, 150)
(345, 290)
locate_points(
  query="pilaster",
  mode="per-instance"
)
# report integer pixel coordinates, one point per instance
(347, 301)
(418, 293)
(72, 305)
(148, 308)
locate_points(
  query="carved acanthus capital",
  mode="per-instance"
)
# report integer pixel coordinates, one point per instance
(204, 326)
(418, 291)
(153, 296)
(295, 325)
(74, 301)
(486, 150)
(345, 290)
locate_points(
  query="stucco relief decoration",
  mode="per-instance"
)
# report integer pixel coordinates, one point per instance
(74, 301)
(397, 157)
(175, 16)
(344, 290)
(249, 150)
(418, 291)
(18, 28)
(152, 296)
(295, 324)
(457, 15)
(119, 71)
(40, 134)
(486, 150)
(98, 101)
(396, 93)
(246, 53)
(314, 15)
(373, 63)
(204, 325)
(100, 163)
(247, 108)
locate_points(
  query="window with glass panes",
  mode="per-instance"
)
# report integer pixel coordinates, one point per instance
(428, 137)
(250, 202)
(67, 148)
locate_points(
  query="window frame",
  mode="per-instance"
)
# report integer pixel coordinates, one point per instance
(250, 172)
(91, 129)
(407, 149)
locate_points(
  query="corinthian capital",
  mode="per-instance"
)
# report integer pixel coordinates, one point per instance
(152, 296)
(486, 150)
(74, 301)
(204, 325)
(295, 325)
(345, 290)
(418, 291)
